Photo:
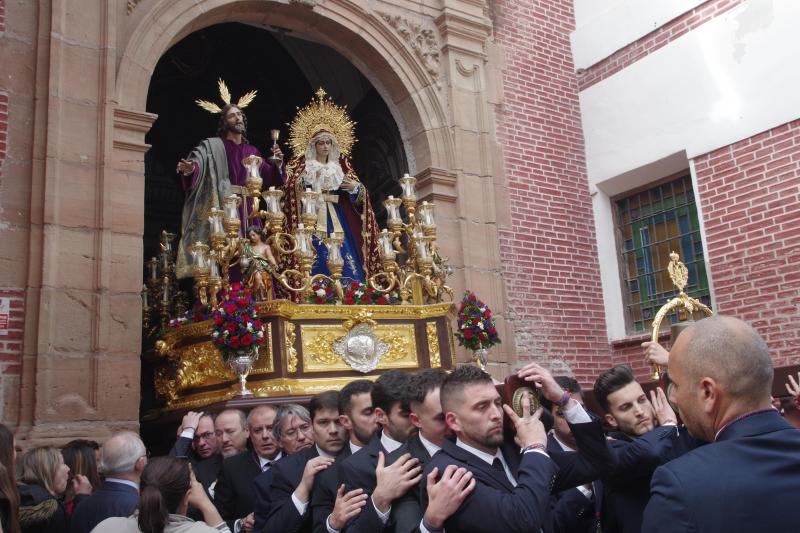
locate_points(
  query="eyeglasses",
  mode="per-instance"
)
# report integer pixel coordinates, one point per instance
(292, 433)
(205, 436)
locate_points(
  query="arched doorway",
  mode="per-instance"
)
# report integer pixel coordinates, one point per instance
(285, 73)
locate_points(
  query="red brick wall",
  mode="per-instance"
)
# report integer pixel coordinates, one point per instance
(750, 198)
(3, 124)
(549, 253)
(654, 40)
(11, 354)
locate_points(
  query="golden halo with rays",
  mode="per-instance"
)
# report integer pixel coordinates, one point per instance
(225, 94)
(321, 114)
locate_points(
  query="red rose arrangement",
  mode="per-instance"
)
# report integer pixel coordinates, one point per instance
(355, 293)
(236, 323)
(476, 327)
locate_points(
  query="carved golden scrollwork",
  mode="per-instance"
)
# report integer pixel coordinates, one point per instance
(291, 351)
(264, 364)
(201, 364)
(319, 355)
(433, 344)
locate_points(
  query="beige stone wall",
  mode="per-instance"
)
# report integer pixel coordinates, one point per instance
(73, 186)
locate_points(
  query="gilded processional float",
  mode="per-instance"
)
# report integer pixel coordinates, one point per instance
(297, 289)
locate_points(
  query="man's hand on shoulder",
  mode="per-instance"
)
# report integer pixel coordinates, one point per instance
(394, 480)
(447, 495)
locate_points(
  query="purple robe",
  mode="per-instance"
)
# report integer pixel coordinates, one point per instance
(237, 175)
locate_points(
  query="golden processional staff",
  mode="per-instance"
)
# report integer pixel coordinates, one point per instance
(683, 303)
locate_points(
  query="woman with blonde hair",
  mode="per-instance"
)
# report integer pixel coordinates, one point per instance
(43, 482)
(9, 496)
(167, 489)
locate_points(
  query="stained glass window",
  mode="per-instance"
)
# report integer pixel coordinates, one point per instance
(650, 225)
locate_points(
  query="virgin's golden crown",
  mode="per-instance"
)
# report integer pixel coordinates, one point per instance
(321, 114)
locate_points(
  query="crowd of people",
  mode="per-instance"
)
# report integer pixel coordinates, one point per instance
(435, 451)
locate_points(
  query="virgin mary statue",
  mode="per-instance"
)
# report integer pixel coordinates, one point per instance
(321, 137)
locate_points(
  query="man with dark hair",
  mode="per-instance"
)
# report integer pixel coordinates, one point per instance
(512, 489)
(196, 438)
(214, 171)
(748, 478)
(575, 510)
(357, 415)
(367, 470)
(283, 494)
(233, 495)
(645, 436)
(427, 417)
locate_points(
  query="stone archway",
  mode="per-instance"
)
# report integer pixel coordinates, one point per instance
(81, 352)
(365, 38)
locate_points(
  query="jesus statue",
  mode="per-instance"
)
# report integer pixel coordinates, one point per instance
(214, 171)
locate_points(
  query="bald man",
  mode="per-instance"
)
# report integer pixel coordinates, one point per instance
(748, 478)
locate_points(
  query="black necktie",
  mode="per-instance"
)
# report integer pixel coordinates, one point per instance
(266, 466)
(498, 465)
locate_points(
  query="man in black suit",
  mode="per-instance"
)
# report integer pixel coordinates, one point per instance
(511, 493)
(427, 417)
(645, 436)
(357, 416)
(575, 510)
(283, 494)
(748, 478)
(123, 457)
(513, 485)
(196, 440)
(360, 470)
(233, 493)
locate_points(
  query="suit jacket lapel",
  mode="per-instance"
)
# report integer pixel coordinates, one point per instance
(479, 464)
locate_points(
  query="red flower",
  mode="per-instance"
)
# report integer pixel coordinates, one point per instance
(354, 285)
(369, 290)
(234, 342)
(349, 301)
(491, 330)
(245, 318)
(218, 320)
(320, 300)
(328, 290)
(475, 321)
(236, 286)
(382, 300)
(472, 298)
(247, 339)
(231, 328)
(242, 302)
(467, 333)
(349, 294)
(230, 308)
(487, 314)
(258, 324)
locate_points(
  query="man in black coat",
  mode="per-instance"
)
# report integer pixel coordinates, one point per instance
(233, 492)
(748, 478)
(360, 470)
(427, 417)
(283, 494)
(645, 436)
(123, 457)
(513, 486)
(357, 416)
(575, 510)
(196, 439)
